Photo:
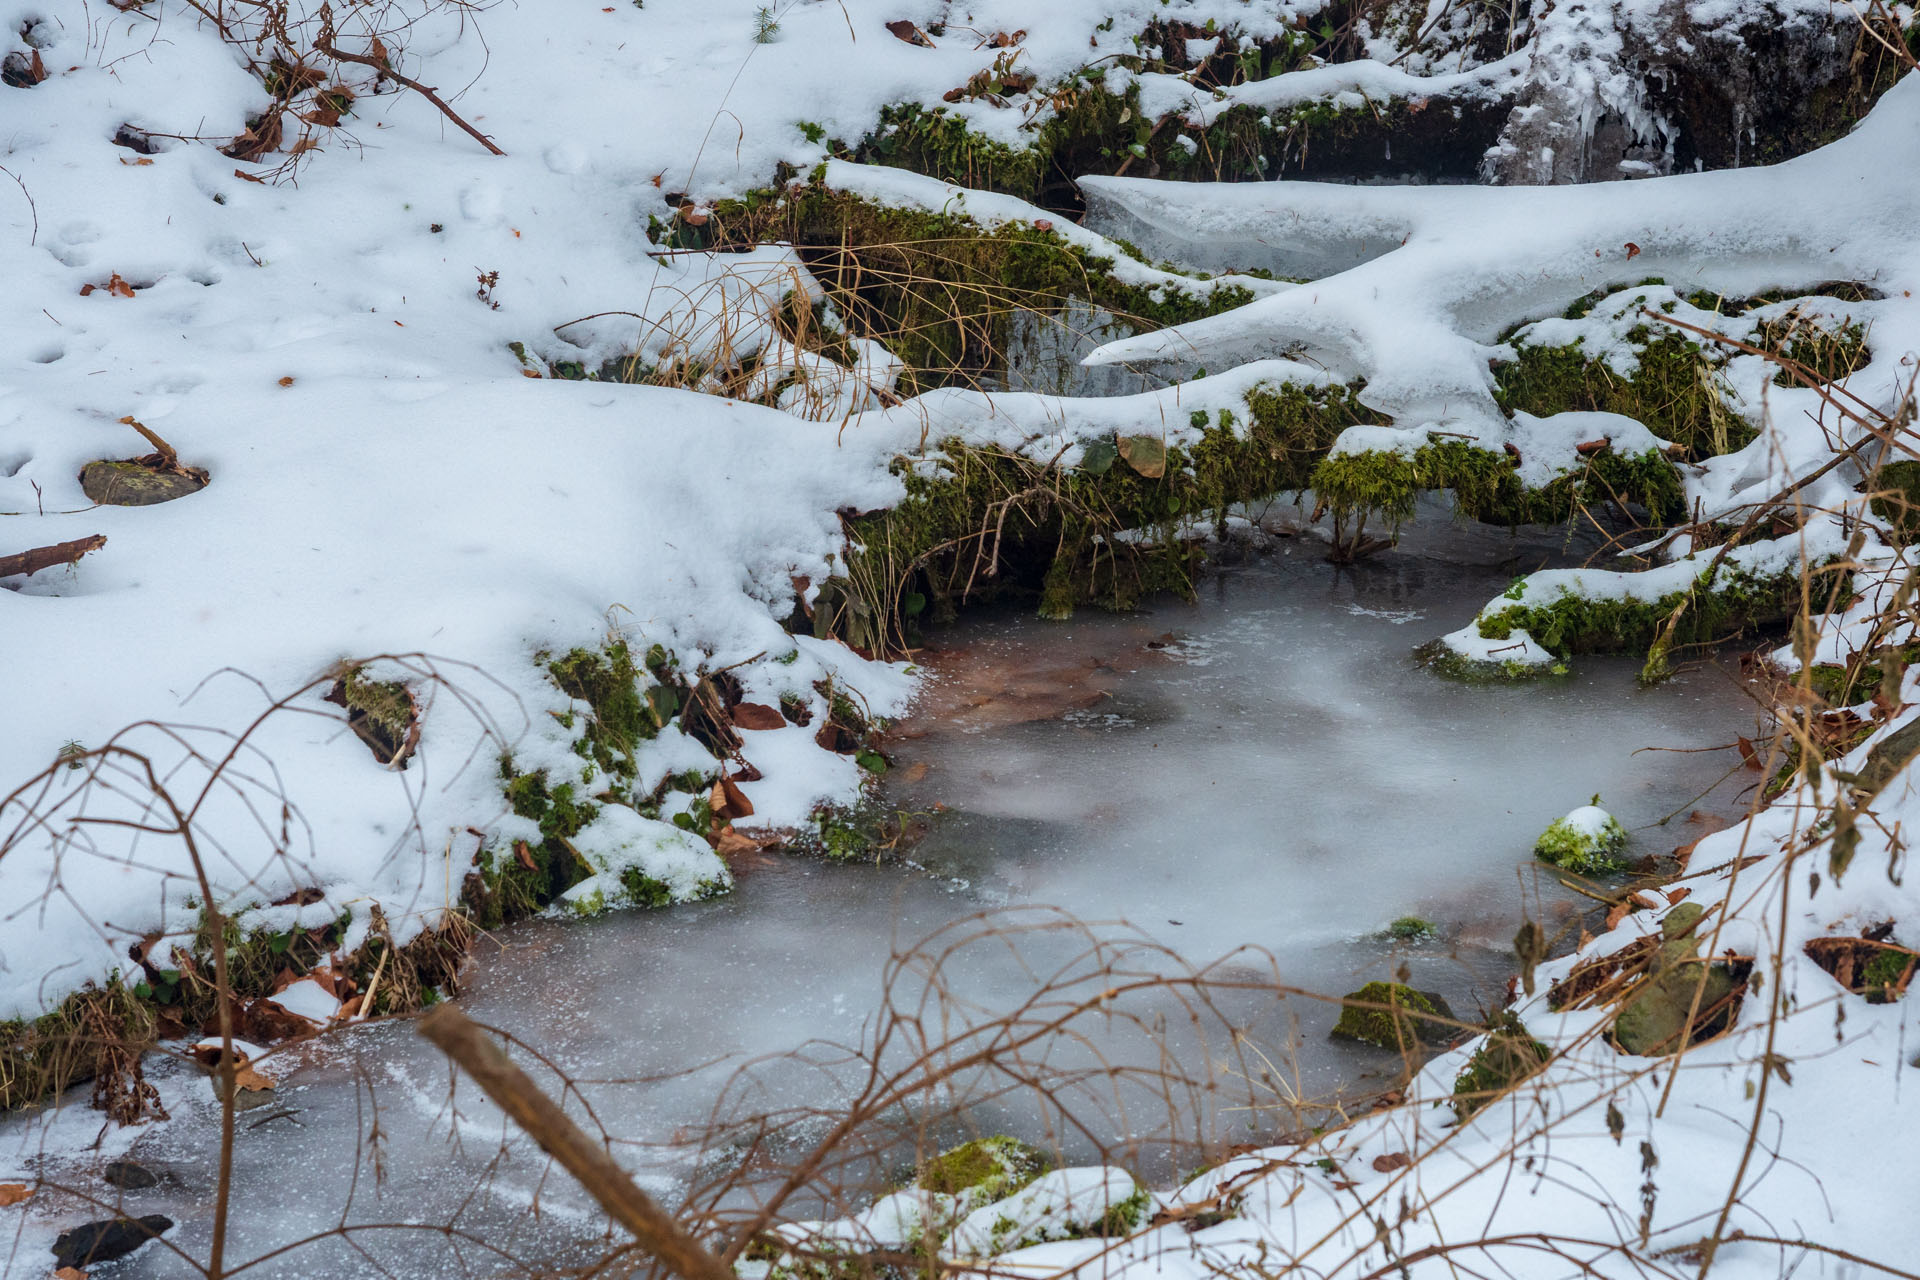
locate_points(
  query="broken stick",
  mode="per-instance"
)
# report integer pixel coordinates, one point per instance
(29, 562)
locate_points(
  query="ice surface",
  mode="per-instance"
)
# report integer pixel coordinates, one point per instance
(1278, 775)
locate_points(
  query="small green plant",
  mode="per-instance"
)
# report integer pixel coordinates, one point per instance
(766, 27)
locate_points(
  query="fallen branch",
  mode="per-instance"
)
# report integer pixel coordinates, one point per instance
(462, 1040)
(324, 44)
(31, 562)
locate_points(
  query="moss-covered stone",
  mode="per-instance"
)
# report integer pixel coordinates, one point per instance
(1588, 841)
(1682, 990)
(1507, 1056)
(132, 483)
(1719, 604)
(1412, 929)
(983, 1170)
(1394, 1016)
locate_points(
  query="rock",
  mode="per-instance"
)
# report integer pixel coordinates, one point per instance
(1413, 1016)
(1064, 1204)
(107, 1239)
(129, 1176)
(982, 1171)
(134, 484)
(1655, 1010)
(1588, 840)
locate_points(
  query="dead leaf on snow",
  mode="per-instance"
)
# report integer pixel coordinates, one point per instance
(1391, 1161)
(905, 30)
(758, 715)
(12, 1193)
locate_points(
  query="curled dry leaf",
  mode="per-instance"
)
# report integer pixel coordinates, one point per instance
(12, 1193)
(1391, 1161)
(905, 30)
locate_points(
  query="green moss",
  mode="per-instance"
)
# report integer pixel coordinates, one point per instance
(1487, 488)
(1714, 607)
(1412, 929)
(938, 289)
(1896, 500)
(1393, 1016)
(1673, 392)
(624, 708)
(991, 523)
(983, 1170)
(1444, 660)
(1569, 846)
(1880, 977)
(1508, 1055)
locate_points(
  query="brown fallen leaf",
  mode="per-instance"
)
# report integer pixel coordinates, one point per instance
(915, 771)
(758, 715)
(524, 856)
(252, 1081)
(729, 801)
(12, 1193)
(1587, 448)
(1749, 754)
(1145, 454)
(1633, 251)
(1391, 1161)
(905, 30)
(69, 1273)
(731, 844)
(1677, 895)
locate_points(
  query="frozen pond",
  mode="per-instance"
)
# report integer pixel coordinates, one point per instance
(1267, 769)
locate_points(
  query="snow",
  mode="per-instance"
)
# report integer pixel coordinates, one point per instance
(385, 481)
(1066, 1202)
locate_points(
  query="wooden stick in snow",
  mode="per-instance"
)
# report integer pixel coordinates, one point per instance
(47, 557)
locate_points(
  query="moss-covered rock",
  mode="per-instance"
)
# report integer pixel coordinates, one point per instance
(1508, 1055)
(1588, 841)
(1680, 996)
(133, 483)
(1394, 1016)
(983, 1170)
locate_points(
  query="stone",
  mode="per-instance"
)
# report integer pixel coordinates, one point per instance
(129, 483)
(129, 1176)
(1416, 1016)
(107, 1239)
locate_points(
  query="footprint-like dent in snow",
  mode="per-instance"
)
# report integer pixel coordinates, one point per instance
(565, 157)
(480, 203)
(47, 355)
(10, 464)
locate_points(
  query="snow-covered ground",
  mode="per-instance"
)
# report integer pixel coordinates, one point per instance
(329, 340)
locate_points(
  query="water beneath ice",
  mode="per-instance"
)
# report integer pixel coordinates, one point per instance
(1264, 768)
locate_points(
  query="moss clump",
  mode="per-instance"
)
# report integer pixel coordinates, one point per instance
(983, 1170)
(1487, 488)
(1673, 392)
(1508, 1055)
(1393, 1016)
(1412, 929)
(1883, 979)
(1896, 499)
(1588, 841)
(1720, 603)
(938, 289)
(987, 522)
(624, 707)
(1448, 662)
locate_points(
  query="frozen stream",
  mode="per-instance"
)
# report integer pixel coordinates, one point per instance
(1267, 769)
